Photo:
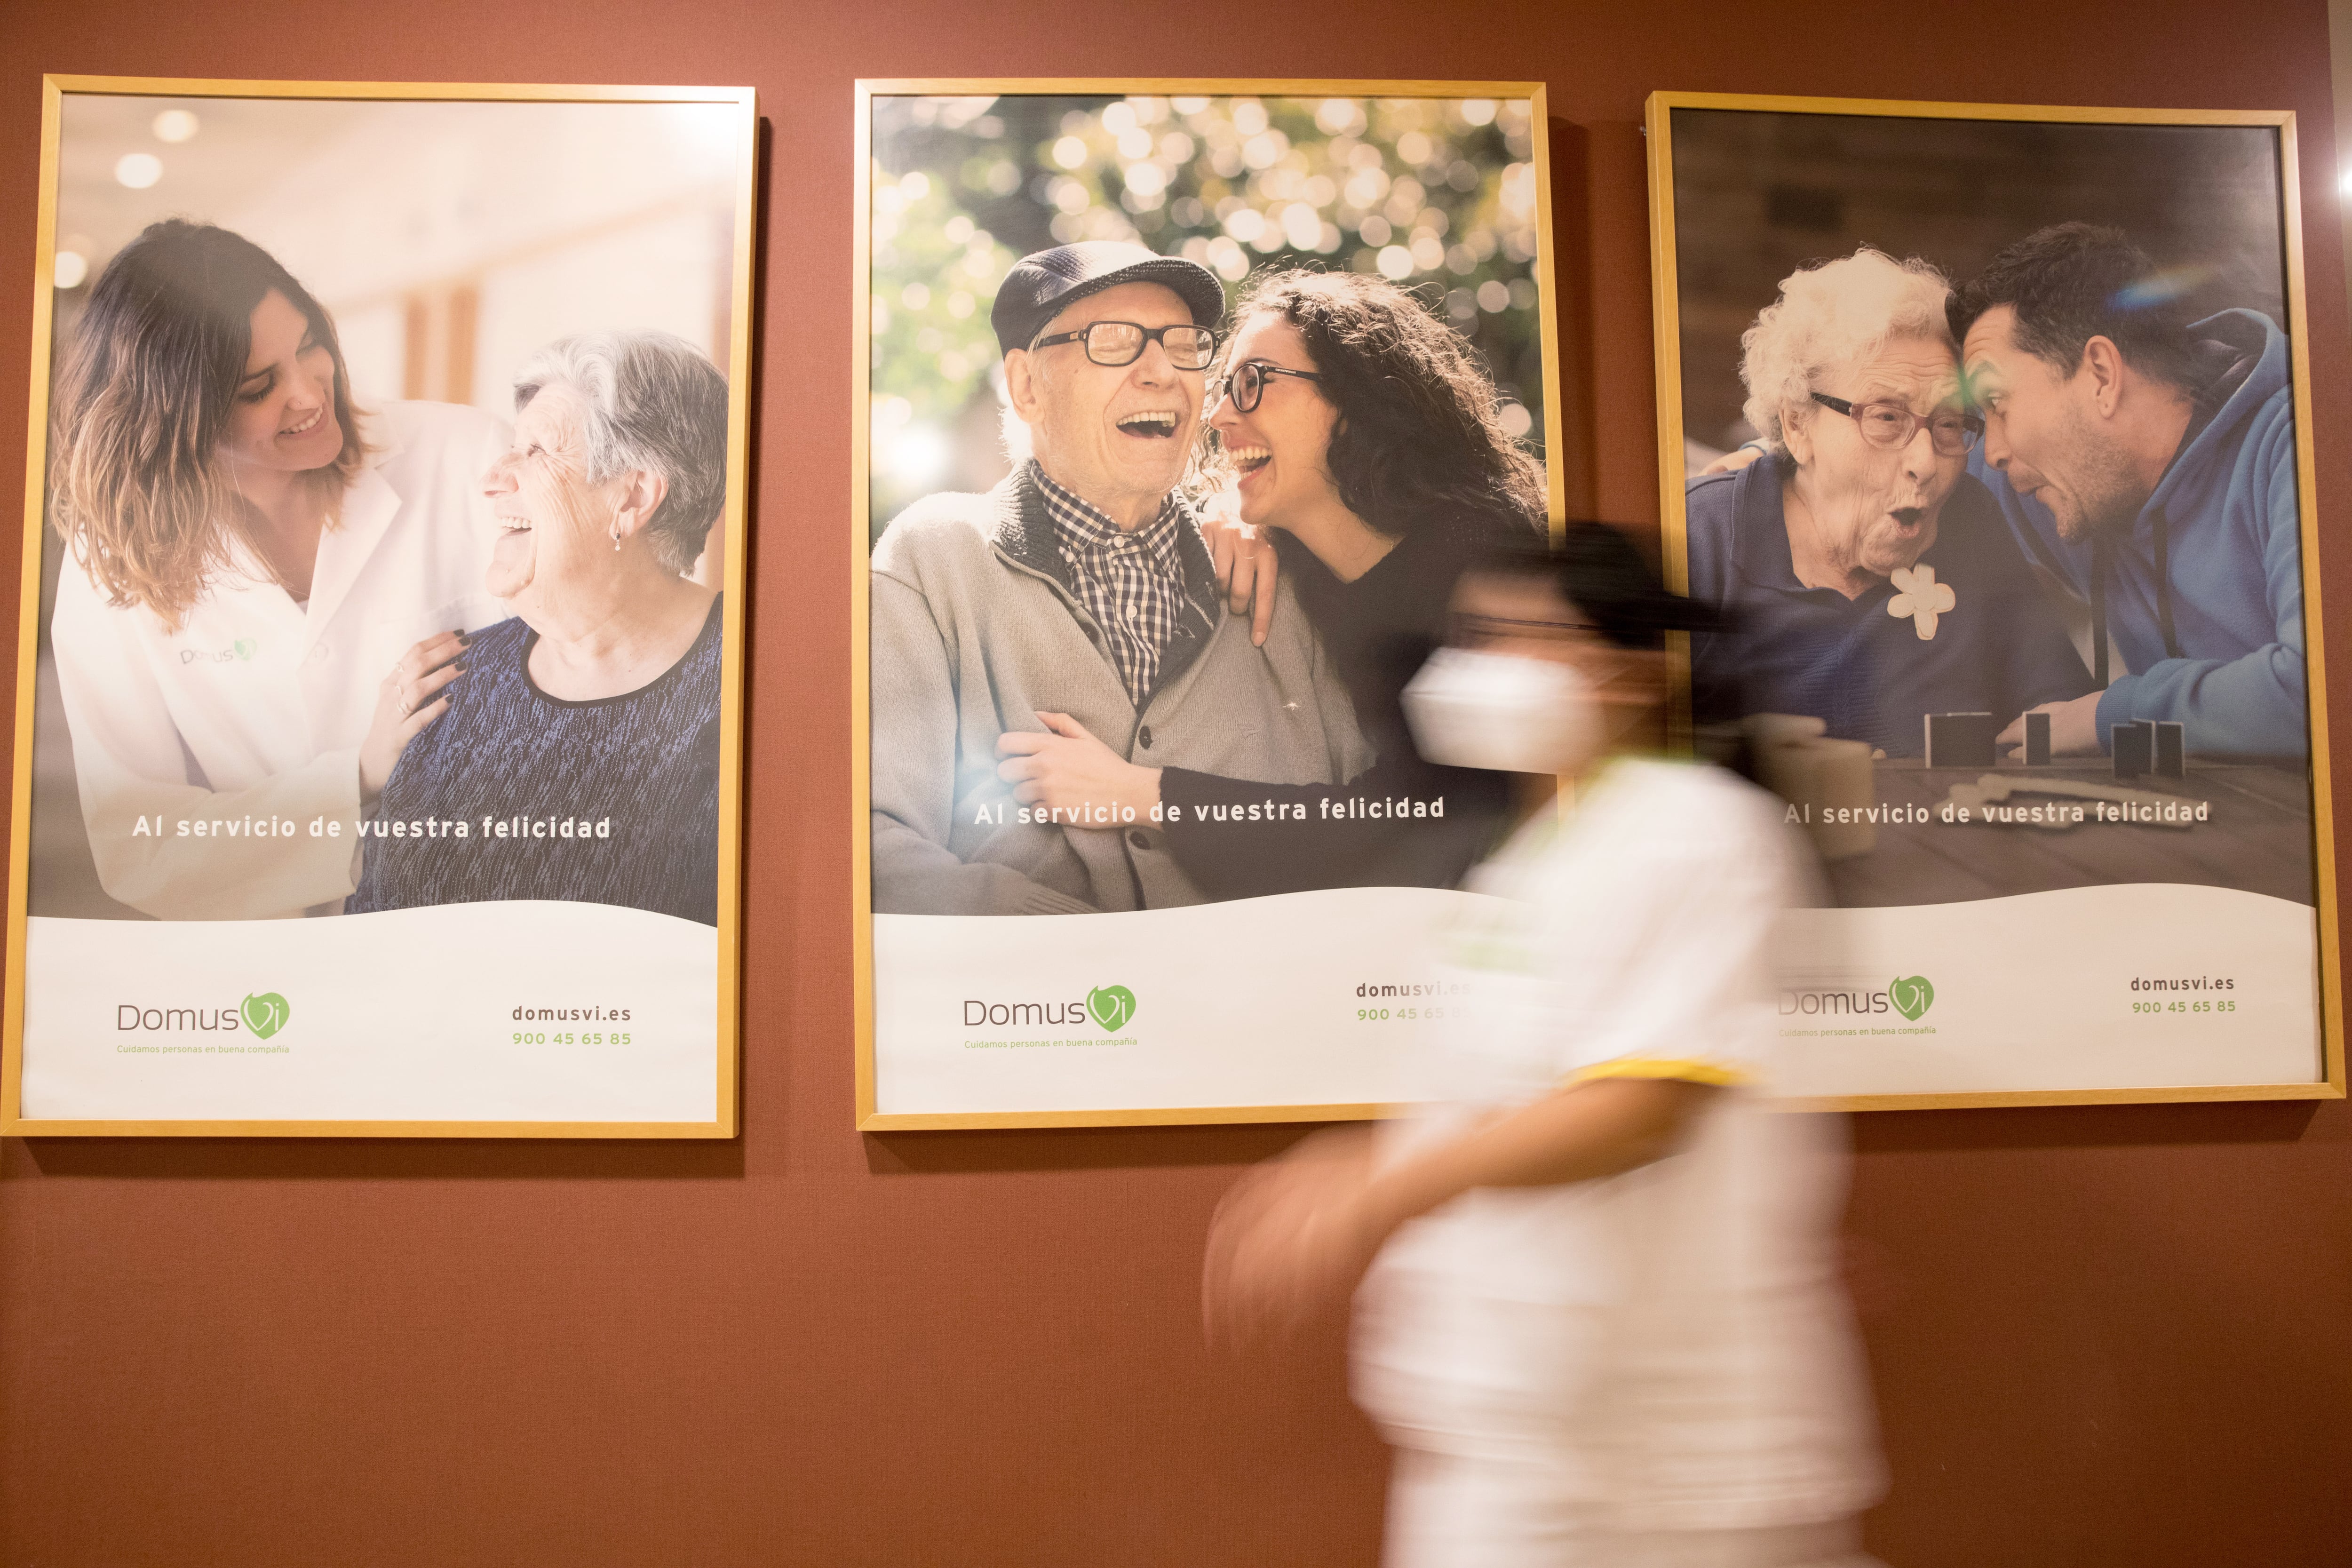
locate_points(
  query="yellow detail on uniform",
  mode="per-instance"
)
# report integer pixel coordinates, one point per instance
(1718, 1075)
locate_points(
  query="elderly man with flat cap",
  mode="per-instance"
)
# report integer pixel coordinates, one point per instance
(1077, 595)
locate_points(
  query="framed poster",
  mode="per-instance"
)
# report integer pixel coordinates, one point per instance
(378, 650)
(1991, 425)
(1122, 857)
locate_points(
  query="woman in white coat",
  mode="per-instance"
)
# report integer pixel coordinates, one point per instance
(265, 599)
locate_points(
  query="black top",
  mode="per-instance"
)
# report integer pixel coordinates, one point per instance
(613, 801)
(1869, 675)
(1377, 631)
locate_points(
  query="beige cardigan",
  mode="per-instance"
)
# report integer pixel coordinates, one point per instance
(974, 629)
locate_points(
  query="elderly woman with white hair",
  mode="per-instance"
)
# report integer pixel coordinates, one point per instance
(1869, 580)
(579, 757)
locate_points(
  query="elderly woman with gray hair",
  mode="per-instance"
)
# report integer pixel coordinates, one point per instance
(1869, 580)
(579, 758)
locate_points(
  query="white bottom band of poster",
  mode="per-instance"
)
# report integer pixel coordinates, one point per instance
(516, 1012)
(1275, 1002)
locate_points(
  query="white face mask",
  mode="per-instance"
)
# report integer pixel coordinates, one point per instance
(1511, 715)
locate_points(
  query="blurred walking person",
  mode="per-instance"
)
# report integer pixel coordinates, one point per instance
(1602, 1322)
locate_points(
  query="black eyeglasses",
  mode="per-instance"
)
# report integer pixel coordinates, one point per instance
(1122, 343)
(1892, 425)
(1246, 385)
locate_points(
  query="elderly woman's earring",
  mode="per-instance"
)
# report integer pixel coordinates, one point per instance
(616, 539)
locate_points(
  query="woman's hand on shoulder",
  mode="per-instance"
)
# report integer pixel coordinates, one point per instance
(411, 697)
(1068, 767)
(1246, 566)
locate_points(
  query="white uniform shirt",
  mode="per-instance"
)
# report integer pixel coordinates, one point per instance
(1668, 1349)
(250, 716)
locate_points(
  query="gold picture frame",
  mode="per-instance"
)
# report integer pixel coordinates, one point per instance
(868, 1116)
(1667, 296)
(739, 110)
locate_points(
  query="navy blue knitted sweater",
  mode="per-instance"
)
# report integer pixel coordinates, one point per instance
(613, 801)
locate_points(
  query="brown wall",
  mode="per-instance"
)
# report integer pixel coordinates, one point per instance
(2101, 1336)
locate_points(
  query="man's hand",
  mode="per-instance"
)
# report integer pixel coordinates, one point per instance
(2074, 728)
(1069, 767)
(1246, 569)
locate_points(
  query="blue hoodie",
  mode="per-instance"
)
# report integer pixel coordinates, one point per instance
(2224, 519)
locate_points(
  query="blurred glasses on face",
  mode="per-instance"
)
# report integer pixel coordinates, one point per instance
(1488, 633)
(1122, 343)
(1892, 425)
(1604, 662)
(1246, 385)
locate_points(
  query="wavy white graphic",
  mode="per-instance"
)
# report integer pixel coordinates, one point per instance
(1249, 1003)
(1254, 1003)
(2035, 993)
(406, 1016)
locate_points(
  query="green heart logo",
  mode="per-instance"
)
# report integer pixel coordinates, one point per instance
(265, 1015)
(245, 647)
(1911, 996)
(1112, 1006)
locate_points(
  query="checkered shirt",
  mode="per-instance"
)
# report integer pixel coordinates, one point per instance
(1132, 582)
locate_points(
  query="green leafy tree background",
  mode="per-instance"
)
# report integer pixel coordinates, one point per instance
(1438, 195)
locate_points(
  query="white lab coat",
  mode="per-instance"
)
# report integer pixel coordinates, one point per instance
(253, 711)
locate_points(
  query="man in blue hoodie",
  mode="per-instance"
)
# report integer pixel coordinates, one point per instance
(2148, 464)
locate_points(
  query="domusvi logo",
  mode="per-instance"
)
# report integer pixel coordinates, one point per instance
(1913, 996)
(1910, 995)
(263, 1013)
(1112, 1006)
(266, 1012)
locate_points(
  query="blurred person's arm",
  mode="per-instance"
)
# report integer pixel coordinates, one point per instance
(1596, 1127)
(1697, 898)
(1297, 1233)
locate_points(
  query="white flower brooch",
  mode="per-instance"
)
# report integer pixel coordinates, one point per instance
(1920, 596)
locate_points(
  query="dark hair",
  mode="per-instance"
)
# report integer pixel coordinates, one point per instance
(2071, 282)
(144, 399)
(1420, 437)
(1600, 570)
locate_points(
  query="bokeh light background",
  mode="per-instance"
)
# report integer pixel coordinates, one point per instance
(1438, 195)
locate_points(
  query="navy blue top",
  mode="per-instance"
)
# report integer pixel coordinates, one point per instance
(1869, 675)
(613, 801)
